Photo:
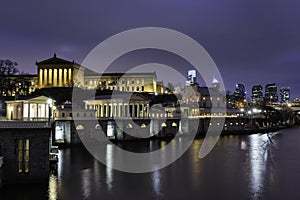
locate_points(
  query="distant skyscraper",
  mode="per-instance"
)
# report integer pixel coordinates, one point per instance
(192, 76)
(215, 83)
(285, 94)
(257, 94)
(271, 93)
(239, 93)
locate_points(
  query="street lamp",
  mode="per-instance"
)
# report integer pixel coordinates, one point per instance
(50, 103)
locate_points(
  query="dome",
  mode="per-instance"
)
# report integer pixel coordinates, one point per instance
(215, 81)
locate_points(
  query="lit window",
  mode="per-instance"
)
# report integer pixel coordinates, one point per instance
(164, 124)
(143, 125)
(26, 155)
(23, 156)
(129, 125)
(174, 124)
(80, 127)
(20, 155)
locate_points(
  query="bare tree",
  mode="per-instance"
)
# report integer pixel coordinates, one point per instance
(10, 83)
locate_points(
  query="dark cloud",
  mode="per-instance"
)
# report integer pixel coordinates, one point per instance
(251, 41)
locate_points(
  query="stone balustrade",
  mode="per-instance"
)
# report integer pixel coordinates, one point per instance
(24, 124)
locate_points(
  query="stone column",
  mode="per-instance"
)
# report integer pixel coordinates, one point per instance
(28, 111)
(50, 77)
(53, 84)
(41, 77)
(147, 111)
(60, 77)
(37, 111)
(143, 110)
(45, 77)
(106, 110)
(138, 111)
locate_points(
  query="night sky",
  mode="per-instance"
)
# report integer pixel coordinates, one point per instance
(251, 41)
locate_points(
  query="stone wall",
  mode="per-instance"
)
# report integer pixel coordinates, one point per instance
(38, 154)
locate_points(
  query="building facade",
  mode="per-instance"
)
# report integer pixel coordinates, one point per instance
(271, 95)
(257, 94)
(119, 106)
(239, 93)
(15, 85)
(285, 94)
(24, 147)
(57, 72)
(125, 82)
(29, 108)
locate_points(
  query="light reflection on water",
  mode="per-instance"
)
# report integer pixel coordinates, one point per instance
(156, 178)
(257, 163)
(109, 161)
(53, 187)
(239, 167)
(256, 147)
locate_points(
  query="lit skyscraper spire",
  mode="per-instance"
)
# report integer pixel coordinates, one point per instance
(215, 83)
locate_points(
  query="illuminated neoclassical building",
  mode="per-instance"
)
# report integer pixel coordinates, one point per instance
(29, 108)
(57, 72)
(120, 105)
(125, 82)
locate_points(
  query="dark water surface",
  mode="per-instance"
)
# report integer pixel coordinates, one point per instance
(239, 167)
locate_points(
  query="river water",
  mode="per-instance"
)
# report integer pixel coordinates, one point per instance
(239, 167)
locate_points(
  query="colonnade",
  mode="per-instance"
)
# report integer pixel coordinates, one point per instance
(55, 77)
(120, 110)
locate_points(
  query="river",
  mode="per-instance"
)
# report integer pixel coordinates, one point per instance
(239, 167)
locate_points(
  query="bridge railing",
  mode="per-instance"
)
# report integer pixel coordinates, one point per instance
(25, 124)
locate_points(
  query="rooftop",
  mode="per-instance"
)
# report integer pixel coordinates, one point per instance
(56, 60)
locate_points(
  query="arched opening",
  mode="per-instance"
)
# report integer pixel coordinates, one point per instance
(98, 126)
(174, 124)
(79, 127)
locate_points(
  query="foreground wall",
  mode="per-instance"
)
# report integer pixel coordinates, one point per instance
(25, 152)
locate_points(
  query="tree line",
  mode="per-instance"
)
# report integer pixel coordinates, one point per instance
(12, 81)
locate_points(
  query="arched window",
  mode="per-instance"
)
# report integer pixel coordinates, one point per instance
(129, 125)
(79, 127)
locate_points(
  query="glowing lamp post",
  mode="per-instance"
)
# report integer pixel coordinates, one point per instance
(50, 103)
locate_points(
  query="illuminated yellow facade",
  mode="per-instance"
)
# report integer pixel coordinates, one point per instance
(57, 72)
(29, 108)
(119, 106)
(128, 82)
